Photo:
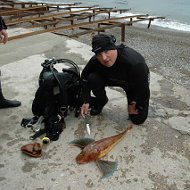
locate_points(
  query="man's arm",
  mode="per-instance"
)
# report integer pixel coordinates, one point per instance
(141, 82)
(85, 87)
(89, 68)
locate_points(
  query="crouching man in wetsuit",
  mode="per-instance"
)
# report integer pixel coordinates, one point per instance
(4, 103)
(116, 66)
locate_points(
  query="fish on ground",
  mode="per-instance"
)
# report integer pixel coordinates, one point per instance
(94, 150)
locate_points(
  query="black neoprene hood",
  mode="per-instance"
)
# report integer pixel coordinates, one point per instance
(103, 42)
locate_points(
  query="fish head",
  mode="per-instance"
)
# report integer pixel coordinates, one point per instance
(87, 155)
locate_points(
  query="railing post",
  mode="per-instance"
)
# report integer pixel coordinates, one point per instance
(149, 23)
(122, 32)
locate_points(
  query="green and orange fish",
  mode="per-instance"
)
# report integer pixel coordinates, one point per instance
(94, 150)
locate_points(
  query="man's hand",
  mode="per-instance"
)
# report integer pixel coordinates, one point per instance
(3, 36)
(132, 108)
(84, 109)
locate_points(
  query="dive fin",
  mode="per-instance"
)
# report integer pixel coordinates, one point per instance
(81, 143)
(106, 167)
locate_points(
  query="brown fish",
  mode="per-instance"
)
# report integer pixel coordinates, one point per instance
(94, 150)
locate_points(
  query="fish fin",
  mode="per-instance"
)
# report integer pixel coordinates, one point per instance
(81, 143)
(106, 167)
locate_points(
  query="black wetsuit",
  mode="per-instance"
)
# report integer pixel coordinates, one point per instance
(129, 72)
(2, 24)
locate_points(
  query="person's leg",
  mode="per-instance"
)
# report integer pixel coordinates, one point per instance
(4, 103)
(97, 84)
(143, 113)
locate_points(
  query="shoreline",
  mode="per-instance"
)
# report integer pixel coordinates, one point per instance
(160, 28)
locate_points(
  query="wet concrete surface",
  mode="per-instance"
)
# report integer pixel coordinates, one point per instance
(153, 156)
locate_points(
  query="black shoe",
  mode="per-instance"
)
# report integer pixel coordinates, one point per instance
(4, 103)
(97, 109)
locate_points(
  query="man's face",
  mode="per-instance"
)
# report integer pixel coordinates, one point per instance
(107, 58)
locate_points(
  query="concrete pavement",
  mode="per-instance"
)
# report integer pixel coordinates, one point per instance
(153, 156)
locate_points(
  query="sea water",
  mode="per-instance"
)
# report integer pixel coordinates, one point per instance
(176, 12)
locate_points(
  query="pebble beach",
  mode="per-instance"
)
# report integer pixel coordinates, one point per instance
(166, 51)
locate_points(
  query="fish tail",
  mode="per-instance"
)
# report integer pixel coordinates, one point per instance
(106, 167)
